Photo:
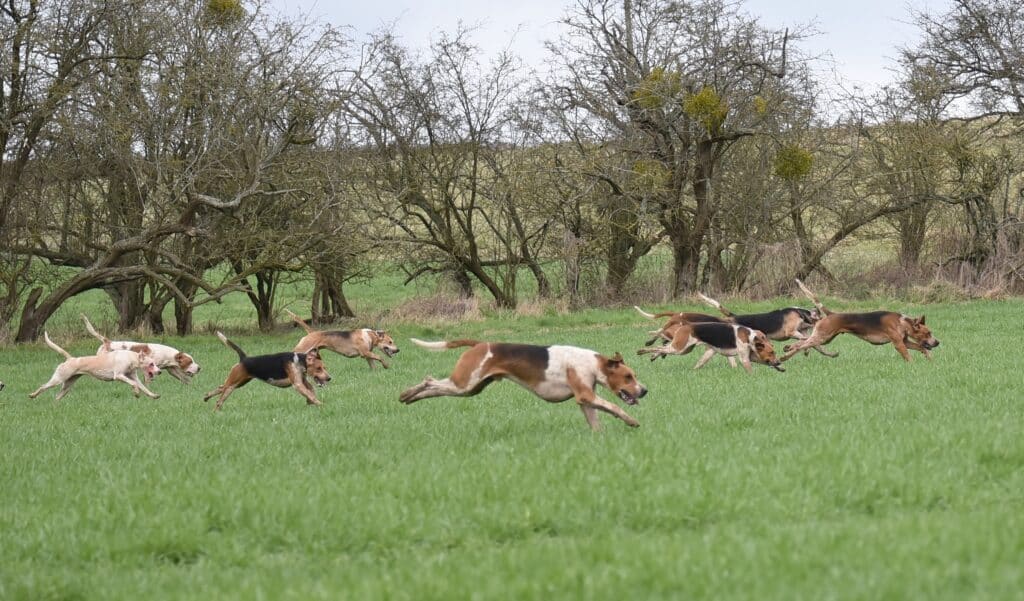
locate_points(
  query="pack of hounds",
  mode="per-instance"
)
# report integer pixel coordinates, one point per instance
(554, 373)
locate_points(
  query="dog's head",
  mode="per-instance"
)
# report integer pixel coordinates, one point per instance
(315, 368)
(762, 350)
(147, 363)
(621, 380)
(917, 330)
(186, 363)
(384, 341)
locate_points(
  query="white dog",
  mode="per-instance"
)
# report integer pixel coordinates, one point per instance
(109, 366)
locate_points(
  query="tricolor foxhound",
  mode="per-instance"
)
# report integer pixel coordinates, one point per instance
(726, 339)
(554, 373)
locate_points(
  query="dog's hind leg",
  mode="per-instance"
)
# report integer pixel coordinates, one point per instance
(55, 380)
(66, 386)
(430, 387)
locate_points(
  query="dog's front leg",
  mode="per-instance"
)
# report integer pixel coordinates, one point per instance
(589, 402)
(298, 379)
(371, 357)
(137, 385)
(918, 347)
(590, 413)
(708, 354)
(178, 373)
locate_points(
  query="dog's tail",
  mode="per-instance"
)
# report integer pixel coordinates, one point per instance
(51, 344)
(644, 313)
(232, 345)
(95, 334)
(443, 345)
(654, 315)
(716, 304)
(300, 321)
(813, 297)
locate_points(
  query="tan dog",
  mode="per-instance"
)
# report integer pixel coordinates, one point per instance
(554, 373)
(348, 343)
(109, 366)
(180, 365)
(280, 369)
(726, 339)
(876, 327)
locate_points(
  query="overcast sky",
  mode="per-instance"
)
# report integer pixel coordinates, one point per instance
(860, 36)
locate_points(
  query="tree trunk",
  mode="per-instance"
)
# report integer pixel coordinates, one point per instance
(129, 300)
(183, 312)
(329, 302)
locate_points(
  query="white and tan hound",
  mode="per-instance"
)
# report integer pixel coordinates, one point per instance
(180, 365)
(553, 373)
(108, 366)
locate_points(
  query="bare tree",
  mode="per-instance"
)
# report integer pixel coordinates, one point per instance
(441, 133)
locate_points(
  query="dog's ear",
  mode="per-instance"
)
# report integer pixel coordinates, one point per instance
(313, 353)
(920, 320)
(380, 333)
(616, 358)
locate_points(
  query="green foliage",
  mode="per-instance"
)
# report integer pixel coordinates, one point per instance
(657, 88)
(224, 12)
(651, 175)
(760, 105)
(708, 108)
(793, 162)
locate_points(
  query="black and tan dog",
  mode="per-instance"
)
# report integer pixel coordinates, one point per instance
(554, 373)
(876, 327)
(781, 324)
(280, 369)
(348, 343)
(727, 339)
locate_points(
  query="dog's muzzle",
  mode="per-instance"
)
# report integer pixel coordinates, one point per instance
(778, 366)
(929, 345)
(390, 352)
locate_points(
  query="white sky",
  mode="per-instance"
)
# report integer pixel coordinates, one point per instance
(860, 36)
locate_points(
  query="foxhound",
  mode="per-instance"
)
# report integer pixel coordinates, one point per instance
(780, 324)
(280, 369)
(553, 373)
(109, 366)
(348, 343)
(876, 327)
(726, 339)
(180, 365)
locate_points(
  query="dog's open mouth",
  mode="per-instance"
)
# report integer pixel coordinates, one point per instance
(389, 352)
(627, 398)
(778, 366)
(320, 383)
(929, 345)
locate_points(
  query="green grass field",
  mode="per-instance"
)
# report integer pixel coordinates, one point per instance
(860, 477)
